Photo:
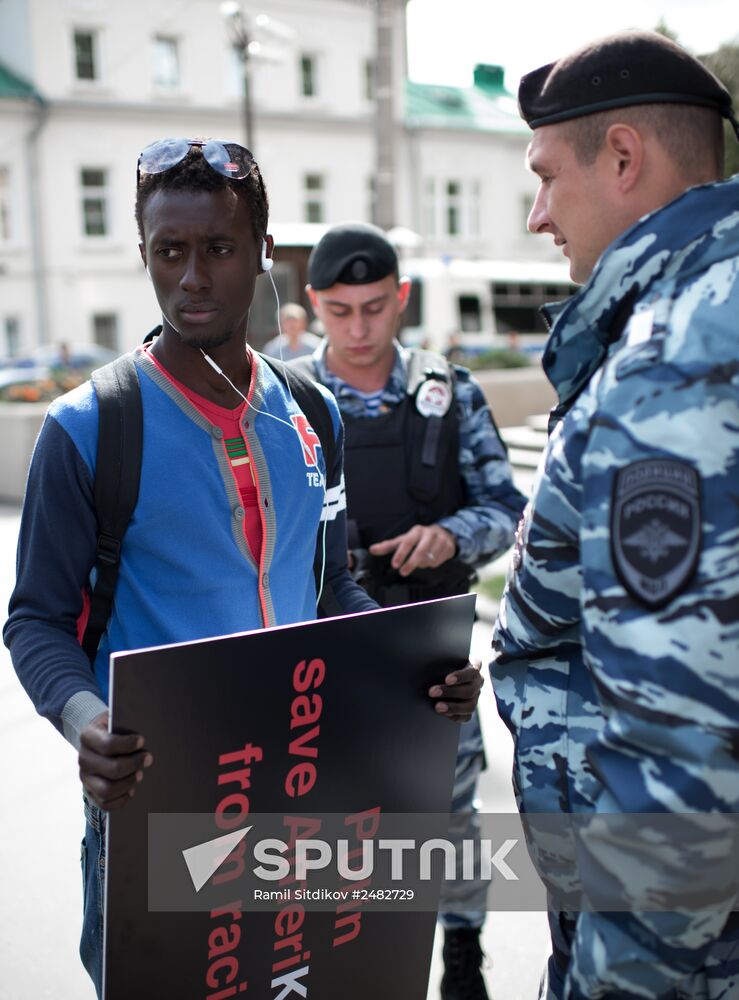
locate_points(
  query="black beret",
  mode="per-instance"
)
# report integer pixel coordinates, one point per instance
(630, 67)
(352, 254)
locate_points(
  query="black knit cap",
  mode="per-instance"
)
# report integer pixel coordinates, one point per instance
(617, 71)
(352, 254)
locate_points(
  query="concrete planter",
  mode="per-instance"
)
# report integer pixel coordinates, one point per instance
(19, 427)
(513, 394)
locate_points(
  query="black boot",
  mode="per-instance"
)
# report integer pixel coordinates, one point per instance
(462, 979)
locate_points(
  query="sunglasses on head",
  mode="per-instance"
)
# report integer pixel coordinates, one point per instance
(227, 158)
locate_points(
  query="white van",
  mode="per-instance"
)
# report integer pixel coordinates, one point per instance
(477, 305)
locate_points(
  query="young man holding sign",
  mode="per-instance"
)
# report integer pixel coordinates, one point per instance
(235, 503)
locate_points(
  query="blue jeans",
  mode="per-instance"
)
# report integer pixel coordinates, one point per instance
(93, 893)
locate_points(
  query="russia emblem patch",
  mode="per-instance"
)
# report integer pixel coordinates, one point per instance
(656, 528)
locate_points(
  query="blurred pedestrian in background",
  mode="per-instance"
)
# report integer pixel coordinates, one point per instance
(295, 340)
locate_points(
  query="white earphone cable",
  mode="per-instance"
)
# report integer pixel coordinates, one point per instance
(265, 413)
(324, 510)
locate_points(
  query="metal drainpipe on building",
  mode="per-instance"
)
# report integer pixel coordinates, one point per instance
(37, 227)
(384, 121)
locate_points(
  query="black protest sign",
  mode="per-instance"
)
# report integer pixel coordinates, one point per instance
(304, 723)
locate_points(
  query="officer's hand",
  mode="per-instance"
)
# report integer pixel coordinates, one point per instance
(110, 765)
(457, 697)
(423, 547)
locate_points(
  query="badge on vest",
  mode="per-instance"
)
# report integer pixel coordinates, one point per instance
(656, 528)
(433, 398)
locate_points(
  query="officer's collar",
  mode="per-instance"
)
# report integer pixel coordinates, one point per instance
(680, 233)
(394, 388)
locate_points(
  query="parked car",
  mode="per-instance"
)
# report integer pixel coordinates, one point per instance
(49, 371)
(72, 355)
(21, 373)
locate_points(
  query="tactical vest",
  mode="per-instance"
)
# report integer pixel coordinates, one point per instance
(402, 468)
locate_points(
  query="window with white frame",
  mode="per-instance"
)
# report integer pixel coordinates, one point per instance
(12, 336)
(166, 63)
(6, 210)
(370, 79)
(308, 75)
(105, 330)
(94, 201)
(451, 207)
(371, 197)
(314, 189)
(429, 206)
(472, 208)
(86, 54)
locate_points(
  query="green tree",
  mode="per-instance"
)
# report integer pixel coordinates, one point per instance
(724, 62)
(662, 28)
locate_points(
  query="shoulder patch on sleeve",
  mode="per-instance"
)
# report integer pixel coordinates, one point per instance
(656, 528)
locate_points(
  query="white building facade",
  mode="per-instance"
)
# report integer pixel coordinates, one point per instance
(86, 84)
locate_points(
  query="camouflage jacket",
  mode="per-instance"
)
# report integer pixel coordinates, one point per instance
(616, 652)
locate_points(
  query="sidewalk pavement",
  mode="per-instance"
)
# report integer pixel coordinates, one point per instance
(42, 827)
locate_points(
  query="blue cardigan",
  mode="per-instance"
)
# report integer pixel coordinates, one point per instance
(186, 570)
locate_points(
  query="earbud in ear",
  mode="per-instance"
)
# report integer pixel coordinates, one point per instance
(267, 262)
(148, 272)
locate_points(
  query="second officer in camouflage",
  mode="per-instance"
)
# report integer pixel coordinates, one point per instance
(616, 663)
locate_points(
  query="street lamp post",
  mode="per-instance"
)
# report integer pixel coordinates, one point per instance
(384, 119)
(238, 30)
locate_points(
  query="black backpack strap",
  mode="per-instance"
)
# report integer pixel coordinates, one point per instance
(117, 474)
(305, 365)
(300, 376)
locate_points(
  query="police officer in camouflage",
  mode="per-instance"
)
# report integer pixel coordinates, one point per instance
(429, 493)
(616, 653)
